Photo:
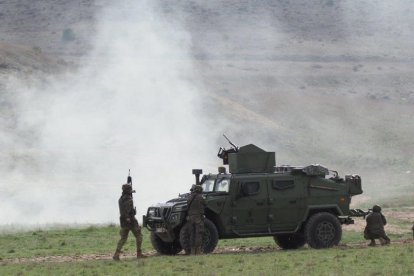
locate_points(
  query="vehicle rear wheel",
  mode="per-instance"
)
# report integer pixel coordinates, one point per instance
(323, 230)
(210, 237)
(165, 248)
(290, 241)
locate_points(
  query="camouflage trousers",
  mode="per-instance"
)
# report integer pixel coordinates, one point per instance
(380, 234)
(135, 229)
(196, 233)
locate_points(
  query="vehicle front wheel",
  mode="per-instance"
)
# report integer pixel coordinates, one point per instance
(210, 237)
(290, 241)
(323, 230)
(165, 248)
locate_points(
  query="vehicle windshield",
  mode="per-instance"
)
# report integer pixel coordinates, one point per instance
(222, 185)
(210, 185)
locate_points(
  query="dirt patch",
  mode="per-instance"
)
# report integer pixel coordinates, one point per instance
(406, 215)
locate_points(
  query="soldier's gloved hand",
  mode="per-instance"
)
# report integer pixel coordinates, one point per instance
(128, 220)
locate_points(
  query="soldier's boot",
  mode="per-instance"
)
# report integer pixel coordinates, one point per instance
(372, 243)
(115, 257)
(140, 255)
(387, 241)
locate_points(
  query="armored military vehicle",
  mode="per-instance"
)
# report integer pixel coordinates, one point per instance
(295, 205)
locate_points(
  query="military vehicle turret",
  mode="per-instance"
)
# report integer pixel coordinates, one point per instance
(256, 198)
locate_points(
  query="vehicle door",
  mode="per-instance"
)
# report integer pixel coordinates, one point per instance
(286, 202)
(250, 206)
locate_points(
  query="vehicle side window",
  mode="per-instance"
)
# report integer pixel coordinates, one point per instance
(250, 188)
(282, 184)
(223, 185)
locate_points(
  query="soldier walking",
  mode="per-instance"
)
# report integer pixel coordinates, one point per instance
(128, 221)
(375, 227)
(196, 205)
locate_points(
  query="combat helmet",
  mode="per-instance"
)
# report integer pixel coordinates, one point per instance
(376, 209)
(196, 188)
(127, 188)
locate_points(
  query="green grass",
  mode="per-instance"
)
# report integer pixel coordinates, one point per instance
(102, 240)
(396, 259)
(91, 240)
(390, 260)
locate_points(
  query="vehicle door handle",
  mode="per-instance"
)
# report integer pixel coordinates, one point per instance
(260, 203)
(292, 201)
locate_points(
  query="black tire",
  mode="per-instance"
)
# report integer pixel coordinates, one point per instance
(165, 248)
(290, 241)
(210, 237)
(323, 230)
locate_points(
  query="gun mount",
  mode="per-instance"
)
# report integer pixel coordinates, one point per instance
(223, 153)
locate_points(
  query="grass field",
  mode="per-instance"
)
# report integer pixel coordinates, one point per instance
(391, 260)
(89, 250)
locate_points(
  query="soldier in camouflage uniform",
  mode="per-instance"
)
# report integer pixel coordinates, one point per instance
(196, 205)
(375, 227)
(128, 221)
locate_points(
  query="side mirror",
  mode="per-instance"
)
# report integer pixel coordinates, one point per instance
(197, 173)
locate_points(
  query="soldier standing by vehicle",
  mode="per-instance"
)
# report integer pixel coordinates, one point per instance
(375, 227)
(128, 221)
(195, 217)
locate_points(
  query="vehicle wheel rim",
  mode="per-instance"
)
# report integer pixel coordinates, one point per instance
(325, 232)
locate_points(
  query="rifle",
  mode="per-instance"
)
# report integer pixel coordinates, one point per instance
(359, 213)
(129, 178)
(129, 181)
(233, 145)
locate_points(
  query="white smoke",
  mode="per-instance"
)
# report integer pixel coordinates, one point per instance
(132, 105)
(164, 81)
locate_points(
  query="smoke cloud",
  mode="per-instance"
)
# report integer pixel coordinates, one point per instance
(132, 105)
(325, 83)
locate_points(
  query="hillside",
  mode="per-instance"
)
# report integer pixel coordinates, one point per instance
(90, 88)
